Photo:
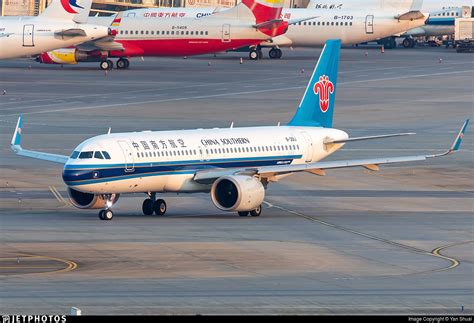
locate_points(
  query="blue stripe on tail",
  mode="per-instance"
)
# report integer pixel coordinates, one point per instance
(317, 106)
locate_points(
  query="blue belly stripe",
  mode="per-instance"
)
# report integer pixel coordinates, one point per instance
(91, 174)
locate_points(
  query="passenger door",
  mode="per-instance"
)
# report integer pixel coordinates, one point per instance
(369, 24)
(308, 149)
(226, 33)
(28, 33)
(128, 155)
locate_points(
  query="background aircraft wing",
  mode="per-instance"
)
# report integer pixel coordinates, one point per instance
(16, 147)
(318, 168)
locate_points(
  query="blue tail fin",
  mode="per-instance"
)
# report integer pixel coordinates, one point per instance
(317, 106)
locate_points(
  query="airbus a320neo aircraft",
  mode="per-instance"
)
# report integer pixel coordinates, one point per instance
(235, 164)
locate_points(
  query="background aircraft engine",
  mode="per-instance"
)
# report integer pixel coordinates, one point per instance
(237, 193)
(89, 201)
(69, 56)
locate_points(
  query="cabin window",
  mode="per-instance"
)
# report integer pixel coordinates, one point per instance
(152, 32)
(86, 155)
(146, 32)
(74, 155)
(126, 32)
(207, 33)
(350, 24)
(194, 151)
(162, 32)
(192, 32)
(141, 32)
(172, 32)
(167, 32)
(98, 155)
(138, 155)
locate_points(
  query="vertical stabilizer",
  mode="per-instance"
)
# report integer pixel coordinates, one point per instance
(317, 106)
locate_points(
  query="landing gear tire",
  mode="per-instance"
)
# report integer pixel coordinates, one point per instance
(147, 207)
(243, 213)
(253, 55)
(123, 63)
(106, 65)
(275, 53)
(106, 215)
(257, 211)
(408, 43)
(159, 207)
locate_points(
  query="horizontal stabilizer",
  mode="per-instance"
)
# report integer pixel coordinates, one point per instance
(70, 33)
(331, 141)
(411, 15)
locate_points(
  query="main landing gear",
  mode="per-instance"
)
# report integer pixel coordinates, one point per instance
(275, 53)
(123, 63)
(256, 53)
(107, 64)
(255, 212)
(151, 205)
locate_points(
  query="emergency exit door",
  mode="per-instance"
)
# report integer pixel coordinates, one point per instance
(369, 24)
(226, 33)
(28, 32)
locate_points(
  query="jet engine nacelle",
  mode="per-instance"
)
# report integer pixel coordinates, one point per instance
(237, 193)
(89, 201)
(69, 56)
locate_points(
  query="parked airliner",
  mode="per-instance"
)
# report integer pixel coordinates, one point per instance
(152, 32)
(63, 23)
(235, 164)
(247, 24)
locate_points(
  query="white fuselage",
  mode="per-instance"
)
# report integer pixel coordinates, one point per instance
(26, 36)
(166, 161)
(351, 26)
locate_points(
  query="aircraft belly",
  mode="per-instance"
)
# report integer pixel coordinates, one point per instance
(166, 183)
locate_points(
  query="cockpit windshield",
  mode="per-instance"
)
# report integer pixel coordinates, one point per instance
(86, 155)
(90, 154)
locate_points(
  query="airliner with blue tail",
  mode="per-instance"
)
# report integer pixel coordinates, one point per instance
(235, 165)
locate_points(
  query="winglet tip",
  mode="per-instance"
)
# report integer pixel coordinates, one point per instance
(457, 142)
(16, 140)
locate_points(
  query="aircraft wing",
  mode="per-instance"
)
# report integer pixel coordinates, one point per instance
(16, 147)
(269, 172)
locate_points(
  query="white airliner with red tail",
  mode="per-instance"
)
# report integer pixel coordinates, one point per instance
(63, 23)
(235, 165)
(247, 24)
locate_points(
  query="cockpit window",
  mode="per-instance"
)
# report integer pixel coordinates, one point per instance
(106, 154)
(86, 154)
(98, 155)
(74, 154)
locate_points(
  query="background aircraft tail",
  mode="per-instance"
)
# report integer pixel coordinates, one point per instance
(317, 106)
(76, 10)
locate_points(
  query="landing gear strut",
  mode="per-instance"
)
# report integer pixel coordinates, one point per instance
(150, 205)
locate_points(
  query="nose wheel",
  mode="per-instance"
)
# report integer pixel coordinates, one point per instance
(106, 215)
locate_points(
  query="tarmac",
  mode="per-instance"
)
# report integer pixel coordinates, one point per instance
(397, 241)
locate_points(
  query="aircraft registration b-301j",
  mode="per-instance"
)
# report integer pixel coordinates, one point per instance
(235, 164)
